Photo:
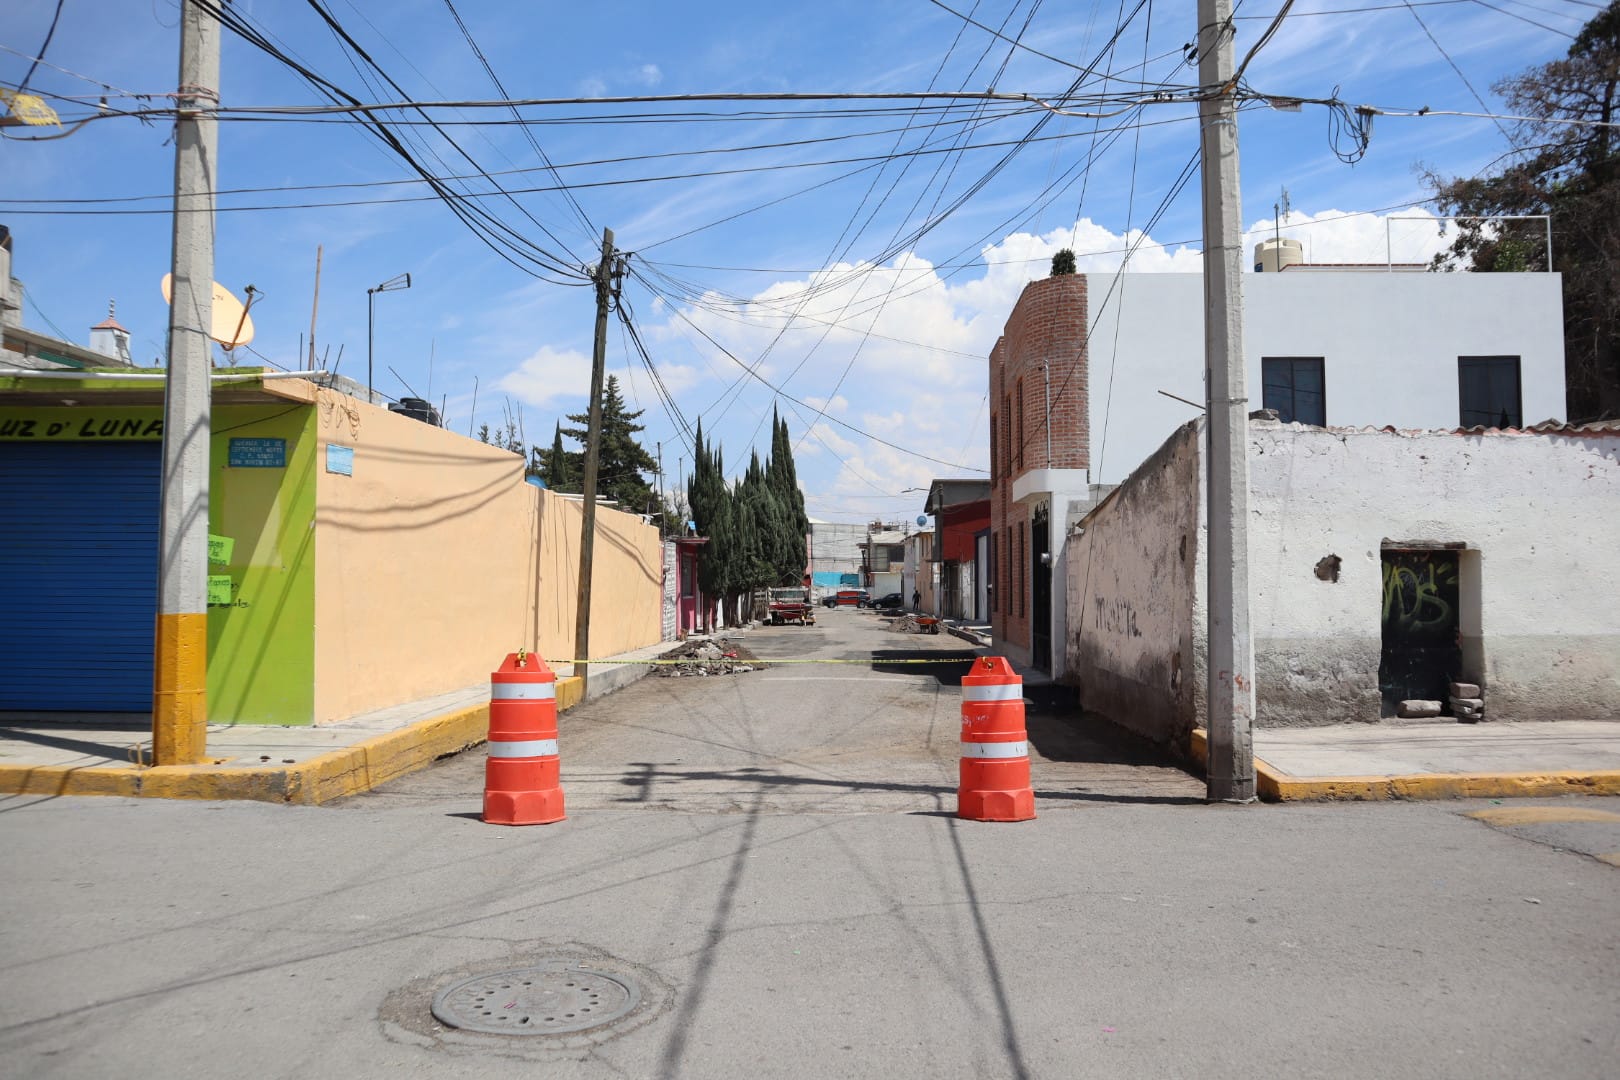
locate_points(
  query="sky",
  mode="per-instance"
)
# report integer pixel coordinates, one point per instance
(849, 263)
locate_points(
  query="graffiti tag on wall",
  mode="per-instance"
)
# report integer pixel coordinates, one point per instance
(1420, 594)
(1116, 617)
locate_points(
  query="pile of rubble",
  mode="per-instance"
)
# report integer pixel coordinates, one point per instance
(915, 624)
(706, 656)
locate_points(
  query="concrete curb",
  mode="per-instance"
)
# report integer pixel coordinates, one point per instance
(344, 772)
(967, 635)
(1273, 785)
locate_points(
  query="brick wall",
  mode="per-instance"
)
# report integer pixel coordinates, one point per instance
(1038, 365)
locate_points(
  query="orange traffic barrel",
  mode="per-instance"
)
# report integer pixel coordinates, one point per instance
(993, 783)
(522, 785)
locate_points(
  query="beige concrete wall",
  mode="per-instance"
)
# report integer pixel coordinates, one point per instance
(435, 559)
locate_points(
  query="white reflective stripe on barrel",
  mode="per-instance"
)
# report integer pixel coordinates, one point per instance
(523, 691)
(993, 692)
(995, 749)
(526, 748)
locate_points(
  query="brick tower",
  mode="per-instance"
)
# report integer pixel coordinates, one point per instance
(1040, 446)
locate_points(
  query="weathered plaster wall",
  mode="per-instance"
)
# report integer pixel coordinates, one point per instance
(1130, 575)
(1539, 573)
(1537, 514)
(435, 559)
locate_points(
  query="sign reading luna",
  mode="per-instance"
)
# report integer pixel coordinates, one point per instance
(131, 422)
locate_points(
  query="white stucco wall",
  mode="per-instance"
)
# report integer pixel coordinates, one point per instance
(1539, 570)
(1537, 514)
(1389, 343)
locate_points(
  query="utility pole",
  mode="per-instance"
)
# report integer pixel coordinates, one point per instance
(593, 447)
(180, 645)
(1230, 649)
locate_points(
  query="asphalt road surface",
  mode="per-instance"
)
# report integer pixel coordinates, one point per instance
(762, 872)
(874, 727)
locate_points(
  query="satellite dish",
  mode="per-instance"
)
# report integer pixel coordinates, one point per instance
(232, 325)
(922, 519)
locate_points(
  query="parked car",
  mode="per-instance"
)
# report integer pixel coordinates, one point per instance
(847, 598)
(891, 602)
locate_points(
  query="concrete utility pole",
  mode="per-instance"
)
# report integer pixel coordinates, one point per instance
(593, 447)
(180, 656)
(1230, 649)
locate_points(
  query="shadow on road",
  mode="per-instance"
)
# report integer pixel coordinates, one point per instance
(954, 664)
(647, 776)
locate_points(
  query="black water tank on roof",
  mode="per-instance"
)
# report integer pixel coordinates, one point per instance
(417, 409)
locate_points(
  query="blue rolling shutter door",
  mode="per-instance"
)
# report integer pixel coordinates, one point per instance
(78, 575)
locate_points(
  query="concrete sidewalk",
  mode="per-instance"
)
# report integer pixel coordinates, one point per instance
(1442, 760)
(46, 754)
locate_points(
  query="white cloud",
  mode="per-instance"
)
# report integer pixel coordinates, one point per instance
(915, 344)
(549, 374)
(592, 87)
(650, 75)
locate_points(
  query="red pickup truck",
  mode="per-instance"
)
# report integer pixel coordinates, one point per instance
(791, 606)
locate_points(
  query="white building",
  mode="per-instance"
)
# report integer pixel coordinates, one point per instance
(1344, 348)
(835, 554)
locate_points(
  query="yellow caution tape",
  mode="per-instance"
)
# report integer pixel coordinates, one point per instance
(741, 660)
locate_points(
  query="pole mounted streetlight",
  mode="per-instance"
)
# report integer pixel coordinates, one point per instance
(393, 284)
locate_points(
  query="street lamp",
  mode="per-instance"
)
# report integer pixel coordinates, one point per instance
(393, 284)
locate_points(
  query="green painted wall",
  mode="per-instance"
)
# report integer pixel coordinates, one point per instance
(261, 647)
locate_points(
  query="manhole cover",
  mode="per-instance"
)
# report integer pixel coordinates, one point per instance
(552, 999)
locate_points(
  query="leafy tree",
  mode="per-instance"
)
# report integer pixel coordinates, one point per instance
(1063, 262)
(621, 460)
(1571, 172)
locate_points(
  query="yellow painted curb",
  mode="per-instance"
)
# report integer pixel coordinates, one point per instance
(1274, 785)
(348, 771)
(1507, 816)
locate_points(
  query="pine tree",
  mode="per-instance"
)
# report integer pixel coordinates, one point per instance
(621, 460)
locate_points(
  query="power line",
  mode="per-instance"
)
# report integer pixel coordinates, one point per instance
(491, 231)
(1447, 56)
(784, 394)
(45, 47)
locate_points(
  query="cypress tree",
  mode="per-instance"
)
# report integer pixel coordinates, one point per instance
(794, 524)
(556, 466)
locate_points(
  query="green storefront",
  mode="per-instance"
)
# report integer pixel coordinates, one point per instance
(80, 466)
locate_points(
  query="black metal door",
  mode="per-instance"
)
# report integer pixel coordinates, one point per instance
(1040, 605)
(1421, 648)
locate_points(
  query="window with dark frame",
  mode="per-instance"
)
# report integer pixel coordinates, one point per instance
(995, 454)
(1022, 603)
(995, 576)
(1020, 451)
(1295, 387)
(1488, 392)
(1006, 435)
